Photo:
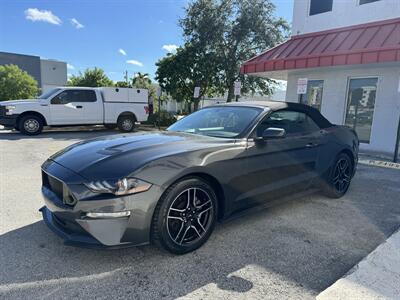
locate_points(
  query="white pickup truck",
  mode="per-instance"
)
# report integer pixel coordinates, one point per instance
(68, 106)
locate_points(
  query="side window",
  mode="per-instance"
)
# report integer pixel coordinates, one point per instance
(293, 122)
(70, 96)
(86, 96)
(313, 97)
(64, 97)
(320, 6)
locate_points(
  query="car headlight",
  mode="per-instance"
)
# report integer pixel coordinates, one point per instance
(124, 186)
(9, 109)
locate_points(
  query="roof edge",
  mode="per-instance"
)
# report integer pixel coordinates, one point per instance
(351, 27)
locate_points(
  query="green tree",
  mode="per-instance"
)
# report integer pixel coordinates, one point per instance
(122, 84)
(16, 84)
(143, 81)
(234, 31)
(90, 78)
(179, 73)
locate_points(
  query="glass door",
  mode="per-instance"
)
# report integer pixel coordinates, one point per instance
(360, 106)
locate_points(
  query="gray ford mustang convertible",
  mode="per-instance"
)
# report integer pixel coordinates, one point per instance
(171, 187)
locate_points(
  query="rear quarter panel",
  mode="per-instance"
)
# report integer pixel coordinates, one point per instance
(335, 140)
(112, 110)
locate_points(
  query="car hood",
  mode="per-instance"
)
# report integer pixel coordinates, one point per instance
(119, 155)
(18, 102)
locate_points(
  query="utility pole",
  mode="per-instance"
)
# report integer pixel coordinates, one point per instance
(126, 78)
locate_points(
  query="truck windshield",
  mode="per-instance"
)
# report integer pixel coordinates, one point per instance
(48, 93)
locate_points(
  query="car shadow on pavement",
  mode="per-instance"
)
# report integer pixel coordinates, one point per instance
(294, 250)
(65, 133)
(70, 133)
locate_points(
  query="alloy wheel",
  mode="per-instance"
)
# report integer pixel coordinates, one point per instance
(342, 175)
(190, 216)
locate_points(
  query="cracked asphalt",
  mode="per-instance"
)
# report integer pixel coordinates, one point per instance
(295, 248)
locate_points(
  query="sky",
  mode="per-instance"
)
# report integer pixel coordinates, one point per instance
(115, 35)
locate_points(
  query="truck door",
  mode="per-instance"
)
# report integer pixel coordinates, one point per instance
(92, 107)
(76, 106)
(66, 108)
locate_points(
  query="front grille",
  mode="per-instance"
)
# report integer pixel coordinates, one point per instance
(58, 188)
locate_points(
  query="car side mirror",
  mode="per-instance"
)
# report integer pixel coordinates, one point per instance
(272, 133)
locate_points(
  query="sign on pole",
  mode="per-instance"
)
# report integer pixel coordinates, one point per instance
(302, 86)
(196, 93)
(237, 87)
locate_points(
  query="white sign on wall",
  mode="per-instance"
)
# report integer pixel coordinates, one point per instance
(302, 86)
(196, 93)
(237, 87)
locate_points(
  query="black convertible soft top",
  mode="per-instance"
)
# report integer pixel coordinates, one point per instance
(280, 105)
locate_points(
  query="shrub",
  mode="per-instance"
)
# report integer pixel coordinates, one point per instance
(162, 118)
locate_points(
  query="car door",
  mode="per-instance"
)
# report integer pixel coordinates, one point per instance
(66, 108)
(281, 164)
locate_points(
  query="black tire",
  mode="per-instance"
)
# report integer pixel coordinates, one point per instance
(126, 123)
(179, 228)
(110, 126)
(30, 125)
(338, 178)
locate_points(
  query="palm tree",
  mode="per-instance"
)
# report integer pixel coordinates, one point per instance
(141, 79)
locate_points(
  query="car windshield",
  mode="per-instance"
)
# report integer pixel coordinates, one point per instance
(224, 121)
(48, 93)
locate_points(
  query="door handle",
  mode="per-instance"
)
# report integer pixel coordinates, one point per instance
(79, 106)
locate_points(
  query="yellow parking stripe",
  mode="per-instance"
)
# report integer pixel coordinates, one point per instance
(380, 163)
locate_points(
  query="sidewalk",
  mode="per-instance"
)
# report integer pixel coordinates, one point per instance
(376, 277)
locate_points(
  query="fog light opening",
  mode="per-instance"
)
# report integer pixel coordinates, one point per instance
(101, 215)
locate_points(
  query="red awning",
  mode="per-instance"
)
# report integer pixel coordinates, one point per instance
(375, 42)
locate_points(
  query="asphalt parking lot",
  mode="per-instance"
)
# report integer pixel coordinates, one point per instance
(294, 249)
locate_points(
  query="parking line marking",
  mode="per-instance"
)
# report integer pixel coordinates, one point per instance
(380, 163)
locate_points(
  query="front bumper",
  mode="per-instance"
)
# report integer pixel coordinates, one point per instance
(72, 224)
(9, 121)
(75, 237)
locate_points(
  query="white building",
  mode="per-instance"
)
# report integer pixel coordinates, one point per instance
(347, 53)
(53, 73)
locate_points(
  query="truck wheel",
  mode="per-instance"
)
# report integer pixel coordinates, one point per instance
(126, 123)
(31, 125)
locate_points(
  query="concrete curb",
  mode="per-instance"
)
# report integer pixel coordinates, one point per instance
(376, 277)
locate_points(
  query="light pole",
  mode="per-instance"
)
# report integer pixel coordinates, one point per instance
(126, 78)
